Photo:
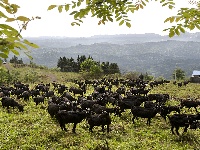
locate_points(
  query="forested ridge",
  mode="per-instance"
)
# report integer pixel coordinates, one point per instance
(155, 54)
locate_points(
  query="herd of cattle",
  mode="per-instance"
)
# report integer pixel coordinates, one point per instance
(109, 96)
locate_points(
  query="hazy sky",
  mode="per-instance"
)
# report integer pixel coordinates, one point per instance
(147, 20)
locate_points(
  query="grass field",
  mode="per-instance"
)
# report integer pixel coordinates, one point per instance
(34, 129)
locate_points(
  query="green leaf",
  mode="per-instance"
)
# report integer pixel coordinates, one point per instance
(72, 24)
(82, 14)
(164, 4)
(177, 31)
(29, 56)
(51, 7)
(171, 19)
(10, 19)
(143, 3)
(172, 3)
(20, 46)
(182, 29)
(120, 17)
(109, 18)
(131, 6)
(60, 8)
(30, 44)
(74, 12)
(166, 20)
(79, 20)
(14, 7)
(3, 55)
(9, 10)
(128, 24)
(141, 6)
(132, 10)
(171, 6)
(171, 33)
(162, 1)
(87, 2)
(2, 15)
(121, 22)
(66, 7)
(22, 18)
(12, 39)
(197, 26)
(15, 52)
(76, 15)
(137, 7)
(191, 27)
(178, 19)
(5, 1)
(74, 5)
(8, 33)
(166, 29)
(79, 3)
(5, 26)
(5, 50)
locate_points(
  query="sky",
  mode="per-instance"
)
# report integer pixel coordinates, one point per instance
(52, 23)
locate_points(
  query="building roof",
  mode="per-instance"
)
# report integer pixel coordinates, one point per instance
(195, 72)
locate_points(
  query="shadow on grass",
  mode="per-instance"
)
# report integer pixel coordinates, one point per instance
(188, 138)
(56, 137)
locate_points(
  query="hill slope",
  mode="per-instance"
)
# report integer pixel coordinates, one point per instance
(155, 54)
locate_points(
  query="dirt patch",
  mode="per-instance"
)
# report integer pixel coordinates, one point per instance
(8, 66)
(52, 77)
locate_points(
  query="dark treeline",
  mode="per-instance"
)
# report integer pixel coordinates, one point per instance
(72, 65)
(15, 60)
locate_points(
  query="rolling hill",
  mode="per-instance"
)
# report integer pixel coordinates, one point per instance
(158, 55)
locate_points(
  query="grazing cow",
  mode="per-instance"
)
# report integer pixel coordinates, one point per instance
(150, 104)
(179, 84)
(144, 113)
(53, 109)
(85, 104)
(9, 102)
(68, 96)
(165, 110)
(129, 102)
(49, 94)
(190, 103)
(77, 91)
(25, 95)
(185, 83)
(100, 109)
(35, 93)
(38, 100)
(121, 90)
(99, 120)
(183, 120)
(64, 117)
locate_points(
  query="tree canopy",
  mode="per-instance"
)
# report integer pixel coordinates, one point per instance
(178, 74)
(105, 10)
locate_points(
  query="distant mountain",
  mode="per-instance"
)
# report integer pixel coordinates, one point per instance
(113, 39)
(152, 53)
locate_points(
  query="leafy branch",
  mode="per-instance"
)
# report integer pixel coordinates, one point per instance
(187, 18)
(10, 38)
(105, 10)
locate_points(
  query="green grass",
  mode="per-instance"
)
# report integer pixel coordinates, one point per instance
(34, 129)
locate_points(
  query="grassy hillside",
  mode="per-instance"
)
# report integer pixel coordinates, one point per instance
(35, 129)
(41, 73)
